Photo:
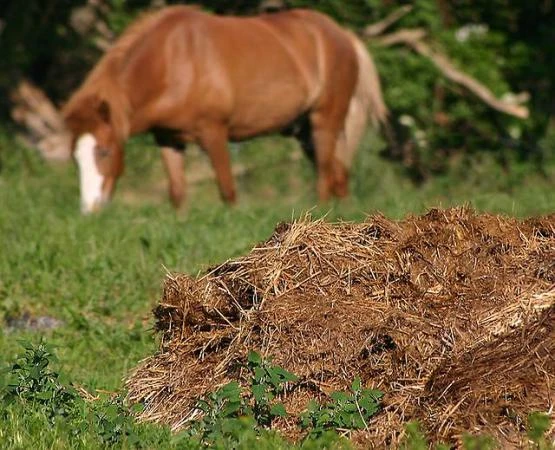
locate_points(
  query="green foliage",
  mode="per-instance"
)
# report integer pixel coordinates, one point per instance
(349, 411)
(218, 409)
(113, 422)
(243, 434)
(416, 90)
(478, 442)
(32, 383)
(224, 403)
(415, 439)
(538, 427)
(257, 405)
(267, 382)
(120, 13)
(355, 13)
(31, 380)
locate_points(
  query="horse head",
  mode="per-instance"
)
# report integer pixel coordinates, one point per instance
(96, 148)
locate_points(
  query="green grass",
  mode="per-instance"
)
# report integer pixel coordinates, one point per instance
(101, 275)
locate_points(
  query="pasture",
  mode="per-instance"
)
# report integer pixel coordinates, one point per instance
(97, 277)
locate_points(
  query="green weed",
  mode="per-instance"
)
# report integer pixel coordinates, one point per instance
(346, 410)
(30, 379)
(42, 392)
(257, 404)
(538, 426)
(267, 382)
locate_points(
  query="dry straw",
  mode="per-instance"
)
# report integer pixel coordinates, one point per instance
(451, 314)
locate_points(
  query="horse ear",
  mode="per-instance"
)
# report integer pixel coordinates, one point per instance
(104, 110)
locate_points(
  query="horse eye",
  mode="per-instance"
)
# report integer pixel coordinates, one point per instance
(102, 152)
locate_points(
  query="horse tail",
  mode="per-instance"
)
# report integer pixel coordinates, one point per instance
(366, 103)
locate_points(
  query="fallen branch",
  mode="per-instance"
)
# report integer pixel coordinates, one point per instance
(378, 28)
(413, 39)
(402, 37)
(30, 98)
(37, 114)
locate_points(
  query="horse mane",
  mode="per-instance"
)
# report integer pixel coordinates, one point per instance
(102, 82)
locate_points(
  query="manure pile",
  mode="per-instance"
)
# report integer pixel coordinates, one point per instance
(451, 314)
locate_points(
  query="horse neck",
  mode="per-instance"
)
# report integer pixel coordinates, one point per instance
(116, 97)
(103, 83)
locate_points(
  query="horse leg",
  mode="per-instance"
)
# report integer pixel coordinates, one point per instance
(173, 163)
(340, 171)
(341, 180)
(213, 140)
(302, 132)
(324, 136)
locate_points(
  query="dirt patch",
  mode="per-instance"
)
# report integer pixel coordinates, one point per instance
(30, 323)
(451, 314)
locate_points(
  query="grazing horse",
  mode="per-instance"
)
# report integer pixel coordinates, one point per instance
(189, 76)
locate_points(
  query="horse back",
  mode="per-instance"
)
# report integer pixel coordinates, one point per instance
(339, 63)
(256, 74)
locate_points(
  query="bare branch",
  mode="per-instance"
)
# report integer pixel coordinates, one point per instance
(377, 28)
(45, 127)
(413, 39)
(402, 37)
(30, 99)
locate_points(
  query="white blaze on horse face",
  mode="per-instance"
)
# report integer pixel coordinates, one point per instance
(90, 179)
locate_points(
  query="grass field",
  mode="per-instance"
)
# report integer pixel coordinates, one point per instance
(100, 275)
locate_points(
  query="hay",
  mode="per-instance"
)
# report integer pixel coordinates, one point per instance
(451, 314)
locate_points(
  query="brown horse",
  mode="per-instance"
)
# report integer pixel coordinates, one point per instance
(189, 76)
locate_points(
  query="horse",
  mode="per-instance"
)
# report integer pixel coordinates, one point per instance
(190, 76)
